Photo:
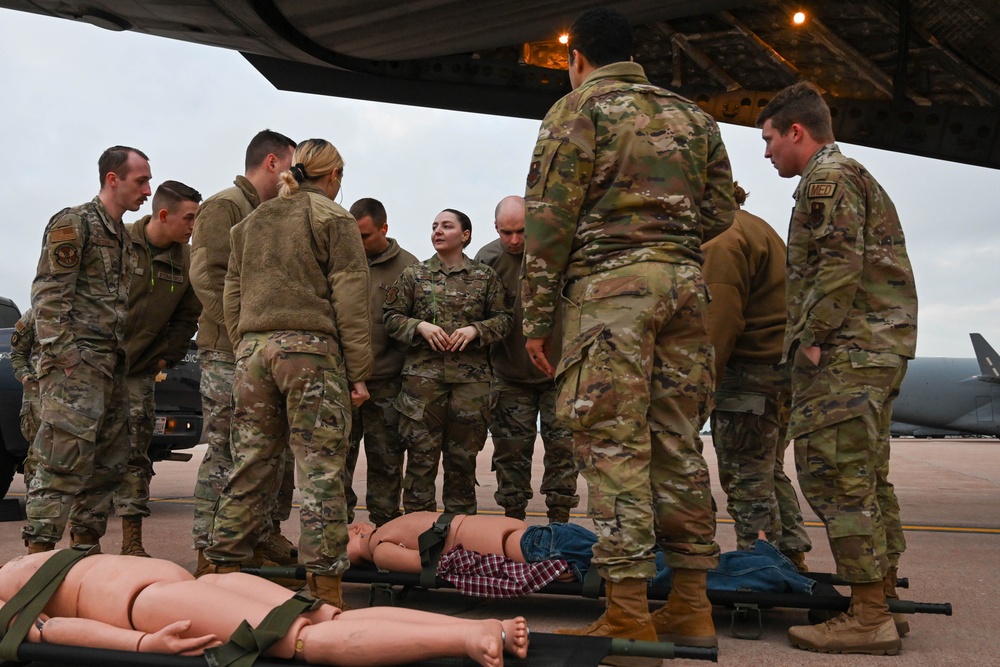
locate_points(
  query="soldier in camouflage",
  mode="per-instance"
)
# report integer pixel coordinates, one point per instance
(626, 182)
(268, 155)
(852, 326)
(302, 334)
(376, 419)
(447, 311)
(162, 316)
(80, 300)
(745, 271)
(24, 362)
(521, 393)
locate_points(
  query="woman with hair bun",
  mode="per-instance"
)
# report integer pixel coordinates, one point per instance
(448, 310)
(296, 304)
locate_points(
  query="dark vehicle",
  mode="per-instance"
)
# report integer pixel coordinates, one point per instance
(178, 406)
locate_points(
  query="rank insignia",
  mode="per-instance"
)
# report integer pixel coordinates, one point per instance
(535, 173)
(67, 255)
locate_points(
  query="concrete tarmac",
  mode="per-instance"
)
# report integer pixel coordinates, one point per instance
(949, 491)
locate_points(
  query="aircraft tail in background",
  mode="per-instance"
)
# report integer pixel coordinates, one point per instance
(989, 360)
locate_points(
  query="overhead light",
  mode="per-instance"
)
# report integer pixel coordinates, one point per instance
(564, 38)
(798, 18)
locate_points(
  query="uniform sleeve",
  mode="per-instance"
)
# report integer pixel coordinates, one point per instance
(348, 278)
(835, 224)
(499, 318)
(54, 287)
(718, 206)
(232, 293)
(21, 341)
(558, 179)
(727, 275)
(210, 254)
(399, 306)
(183, 324)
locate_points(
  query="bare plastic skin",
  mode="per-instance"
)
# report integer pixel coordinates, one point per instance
(155, 606)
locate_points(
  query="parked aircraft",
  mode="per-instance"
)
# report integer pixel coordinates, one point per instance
(944, 396)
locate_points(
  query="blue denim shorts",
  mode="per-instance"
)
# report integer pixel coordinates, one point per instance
(568, 541)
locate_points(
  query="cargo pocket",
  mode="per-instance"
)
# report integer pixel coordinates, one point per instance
(72, 408)
(408, 406)
(587, 394)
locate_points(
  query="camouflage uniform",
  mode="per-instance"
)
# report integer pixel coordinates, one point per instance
(24, 362)
(377, 420)
(162, 316)
(520, 394)
(209, 260)
(851, 292)
(291, 387)
(745, 271)
(80, 301)
(444, 402)
(626, 182)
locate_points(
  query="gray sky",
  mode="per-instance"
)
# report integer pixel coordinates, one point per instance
(71, 90)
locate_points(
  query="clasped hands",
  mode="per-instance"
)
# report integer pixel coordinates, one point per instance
(441, 341)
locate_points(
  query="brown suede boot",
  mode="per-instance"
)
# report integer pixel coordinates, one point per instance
(132, 537)
(902, 623)
(625, 617)
(326, 587)
(798, 559)
(866, 628)
(220, 568)
(686, 619)
(558, 515)
(84, 537)
(39, 547)
(203, 564)
(277, 549)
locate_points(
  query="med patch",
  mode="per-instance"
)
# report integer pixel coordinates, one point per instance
(821, 189)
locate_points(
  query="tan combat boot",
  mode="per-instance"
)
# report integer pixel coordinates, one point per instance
(132, 537)
(625, 617)
(798, 559)
(277, 548)
(866, 628)
(686, 619)
(203, 564)
(558, 515)
(902, 624)
(39, 547)
(326, 587)
(84, 537)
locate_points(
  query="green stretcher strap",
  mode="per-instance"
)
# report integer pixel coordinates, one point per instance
(27, 604)
(247, 644)
(431, 544)
(592, 584)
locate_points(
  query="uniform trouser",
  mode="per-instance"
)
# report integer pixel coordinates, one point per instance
(843, 464)
(290, 392)
(748, 431)
(516, 409)
(80, 449)
(446, 421)
(635, 381)
(132, 496)
(217, 373)
(378, 423)
(30, 421)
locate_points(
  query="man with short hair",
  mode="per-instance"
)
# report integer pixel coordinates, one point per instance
(627, 180)
(852, 326)
(80, 301)
(268, 155)
(162, 316)
(377, 420)
(521, 392)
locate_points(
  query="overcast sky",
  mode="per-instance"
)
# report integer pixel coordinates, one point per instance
(71, 90)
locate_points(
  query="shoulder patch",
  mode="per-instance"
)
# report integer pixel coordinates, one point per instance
(67, 255)
(821, 189)
(392, 295)
(14, 338)
(19, 325)
(534, 173)
(62, 234)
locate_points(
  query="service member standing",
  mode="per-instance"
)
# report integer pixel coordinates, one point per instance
(162, 316)
(296, 304)
(521, 392)
(268, 155)
(852, 326)
(377, 420)
(447, 311)
(745, 271)
(24, 350)
(626, 182)
(80, 301)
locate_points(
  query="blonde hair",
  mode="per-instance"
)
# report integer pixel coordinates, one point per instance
(312, 159)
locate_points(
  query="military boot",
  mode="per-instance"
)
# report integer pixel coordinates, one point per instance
(327, 587)
(515, 513)
(558, 515)
(84, 537)
(39, 547)
(686, 619)
(902, 624)
(626, 616)
(798, 559)
(259, 559)
(203, 566)
(866, 628)
(132, 537)
(277, 548)
(219, 568)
